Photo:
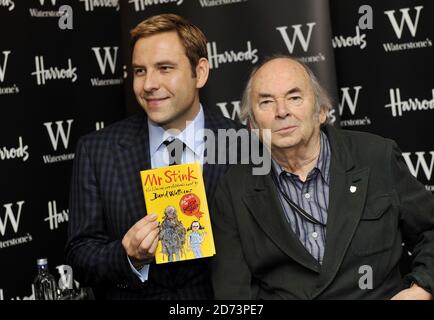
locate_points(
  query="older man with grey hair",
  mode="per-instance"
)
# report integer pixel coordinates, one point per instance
(328, 221)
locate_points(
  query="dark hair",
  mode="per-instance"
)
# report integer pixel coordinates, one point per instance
(191, 226)
(192, 38)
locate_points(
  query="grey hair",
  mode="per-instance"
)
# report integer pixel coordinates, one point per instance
(322, 98)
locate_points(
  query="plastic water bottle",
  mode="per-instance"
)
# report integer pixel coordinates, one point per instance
(44, 283)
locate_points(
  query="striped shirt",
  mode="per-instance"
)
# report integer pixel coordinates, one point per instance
(311, 195)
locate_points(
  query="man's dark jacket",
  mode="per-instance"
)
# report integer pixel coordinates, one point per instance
(375, 205)
(107, 200)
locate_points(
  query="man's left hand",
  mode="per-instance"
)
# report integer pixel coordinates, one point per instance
(413, 293)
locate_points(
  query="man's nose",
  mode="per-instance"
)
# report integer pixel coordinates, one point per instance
(151, 82)
(282, 108)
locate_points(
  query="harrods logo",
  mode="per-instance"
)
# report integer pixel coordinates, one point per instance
(236, 110)
(140, 5)
(54, 139)
(91, 5)
(55, 218)
(398, 106)
(44, 74)
(349, 100)
(302, 38)
(358, 40)
(38, 13)
(411, 24)
(10, 89)
(421, 162)
(217, 58)
(19, 152)
(109, 59)
(216, 3)
(8, 4)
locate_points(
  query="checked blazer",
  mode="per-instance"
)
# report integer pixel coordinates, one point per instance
(107, 199)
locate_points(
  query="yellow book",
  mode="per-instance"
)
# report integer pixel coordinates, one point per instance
(177, 195)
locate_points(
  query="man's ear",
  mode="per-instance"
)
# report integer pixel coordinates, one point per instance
(202, 72)
(323, 115)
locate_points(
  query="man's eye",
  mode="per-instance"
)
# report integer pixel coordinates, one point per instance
(166, 68)
(265, 102)
(295, 99)
(139, 72)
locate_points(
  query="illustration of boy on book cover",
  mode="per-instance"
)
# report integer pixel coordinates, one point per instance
(177, 195)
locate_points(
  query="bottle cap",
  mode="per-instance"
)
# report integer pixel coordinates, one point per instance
(42, 262)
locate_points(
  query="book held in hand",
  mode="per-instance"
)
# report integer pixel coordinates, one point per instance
(177, 195)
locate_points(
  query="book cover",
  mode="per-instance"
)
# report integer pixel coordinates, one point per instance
(177, 195)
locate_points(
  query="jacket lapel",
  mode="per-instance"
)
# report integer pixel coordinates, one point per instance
(263, 203)
(348, 187)
(132, 152)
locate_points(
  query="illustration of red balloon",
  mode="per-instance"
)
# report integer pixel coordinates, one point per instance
(190, 205)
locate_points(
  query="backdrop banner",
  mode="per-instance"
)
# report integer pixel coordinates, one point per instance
(65, 70)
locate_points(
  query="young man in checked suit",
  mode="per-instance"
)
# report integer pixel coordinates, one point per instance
(111, 238)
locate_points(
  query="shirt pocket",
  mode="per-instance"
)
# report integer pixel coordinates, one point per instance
(377, 227)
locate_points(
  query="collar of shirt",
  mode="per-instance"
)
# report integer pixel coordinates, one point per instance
(192, 135)
(322, 165)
